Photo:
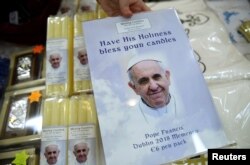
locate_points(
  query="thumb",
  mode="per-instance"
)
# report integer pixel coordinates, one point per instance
(125, 8)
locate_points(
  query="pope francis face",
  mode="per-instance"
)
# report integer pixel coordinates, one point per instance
(81, 151)
(151, 82)
(51, 154)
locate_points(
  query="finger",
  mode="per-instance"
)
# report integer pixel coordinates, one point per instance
(125, 9)
(136, 9)
(145, 7)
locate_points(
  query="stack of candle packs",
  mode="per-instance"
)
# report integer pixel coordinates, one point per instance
(82, 80)
(83, 124)
(59, 55)
(55, 122)
(69, 112)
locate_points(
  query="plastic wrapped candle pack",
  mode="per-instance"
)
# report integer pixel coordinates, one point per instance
(59, 55)
(82, 80)
(54, 131)
(82, 132)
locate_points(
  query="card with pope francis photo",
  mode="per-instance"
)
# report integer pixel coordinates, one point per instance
(152, 101)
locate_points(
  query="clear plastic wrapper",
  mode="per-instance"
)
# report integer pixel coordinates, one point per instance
(82, 80)
(232, 13)
(54, 131)
(83, 133)
(232, 100)
(210, 41)
(59, 55)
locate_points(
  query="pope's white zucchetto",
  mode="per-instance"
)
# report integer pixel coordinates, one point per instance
(138, 58)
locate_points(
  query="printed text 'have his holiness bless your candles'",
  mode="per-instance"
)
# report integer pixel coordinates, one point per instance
(157, 38)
